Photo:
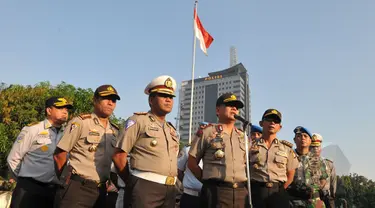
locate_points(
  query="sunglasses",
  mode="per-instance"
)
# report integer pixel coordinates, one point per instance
(275, 120)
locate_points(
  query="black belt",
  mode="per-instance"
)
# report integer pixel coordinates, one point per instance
(87, 182)
(225, 184)
(267, 184)
(45, 185)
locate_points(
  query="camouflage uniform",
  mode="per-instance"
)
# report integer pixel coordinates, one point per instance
(307, 181)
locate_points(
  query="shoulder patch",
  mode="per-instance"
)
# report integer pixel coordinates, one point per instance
(140, 113)
(171, 125)
(33, 123)
(114, 125)
(84, 116)
(129, 123)
(284, 142)
(199, 132)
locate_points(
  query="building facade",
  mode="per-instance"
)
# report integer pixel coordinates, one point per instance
(206, 91)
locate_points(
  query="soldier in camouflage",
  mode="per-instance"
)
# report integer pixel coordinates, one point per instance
(327, 194)
(310, 175)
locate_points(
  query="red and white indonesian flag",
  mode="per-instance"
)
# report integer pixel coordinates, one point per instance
(203, 36)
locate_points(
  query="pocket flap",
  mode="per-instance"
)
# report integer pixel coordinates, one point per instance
(43, 141)
(93, 139)
(152, 132)
(280, 159)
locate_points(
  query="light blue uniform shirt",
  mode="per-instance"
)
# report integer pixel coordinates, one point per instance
(189, 181)
(32, 152)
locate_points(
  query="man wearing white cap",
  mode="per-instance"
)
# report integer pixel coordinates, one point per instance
(153, 147)
(329, 190)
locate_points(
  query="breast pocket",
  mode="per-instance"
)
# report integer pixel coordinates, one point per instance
(215, 152)
(44, 145)
(281, 161)
(93, 143)
(254, 156)
(152, 140)
(242, 151)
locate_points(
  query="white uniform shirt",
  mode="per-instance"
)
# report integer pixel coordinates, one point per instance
(189, 181)
(32, 152)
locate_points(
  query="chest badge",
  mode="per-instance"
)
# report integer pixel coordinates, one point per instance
(153, 143)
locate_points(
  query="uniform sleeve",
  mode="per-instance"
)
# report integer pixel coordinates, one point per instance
(333, 181)
(129, 135)
(197, 147)
(71, 135)
(323, 169)
(182, 160)
(292, 161)
(20, 147)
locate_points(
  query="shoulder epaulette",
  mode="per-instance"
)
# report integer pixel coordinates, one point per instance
(239, 130)
(287, 143)
(328, 160)
(171, 125)
(114, 125)
(140, 113)
(33, 123)
(85, 116)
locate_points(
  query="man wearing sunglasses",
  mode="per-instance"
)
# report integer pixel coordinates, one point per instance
(31, 157)
(272, 164)
(222, 148)
(90, 140)
(153, 146)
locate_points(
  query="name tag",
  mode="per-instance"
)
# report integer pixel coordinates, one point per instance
(281, 153)
(152, 128)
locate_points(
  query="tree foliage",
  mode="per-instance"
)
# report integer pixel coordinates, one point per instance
(357, 190)
(21, 105)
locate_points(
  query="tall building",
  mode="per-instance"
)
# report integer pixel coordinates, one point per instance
(206, 91)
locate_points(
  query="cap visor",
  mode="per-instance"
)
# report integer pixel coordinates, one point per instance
(110, 95)
(238, 104)
(68, 106)
(272, 115)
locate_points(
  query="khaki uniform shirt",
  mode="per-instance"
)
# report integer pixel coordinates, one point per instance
(271, 165)
(332, 180)
(32, 152)
(90, 146)
(229, 168)
(153, 145)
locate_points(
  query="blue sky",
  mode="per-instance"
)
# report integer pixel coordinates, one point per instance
(312, 60)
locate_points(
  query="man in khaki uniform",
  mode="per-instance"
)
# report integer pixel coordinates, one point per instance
(90, 140)
(222, 149)
(272, 164)
(329, 190)
(31, 157)
(153, 147)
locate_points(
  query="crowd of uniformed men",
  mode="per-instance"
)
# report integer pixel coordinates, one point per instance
(90, 162)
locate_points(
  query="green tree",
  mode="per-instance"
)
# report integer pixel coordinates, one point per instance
(21, 105)
(357, 190)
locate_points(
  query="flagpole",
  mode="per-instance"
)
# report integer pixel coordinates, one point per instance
(192, 71)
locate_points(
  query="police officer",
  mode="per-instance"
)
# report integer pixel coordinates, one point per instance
(192, 187)
(329, 190)
(222, 149)
(272, 164)
(256, 132)
(310, 174)
(90, 140)
(31, 157)
(153, 146)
